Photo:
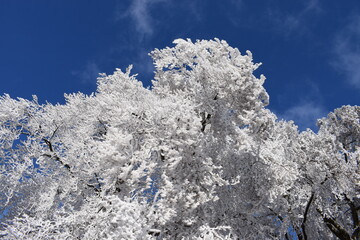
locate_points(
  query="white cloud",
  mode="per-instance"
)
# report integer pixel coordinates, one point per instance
(139, 12)
(237, 3)
(196, 9)
(306, 110)
(88, 74)
(234, 19)
(347, 51)
(305, 114)
(294, 22)
(312, 5)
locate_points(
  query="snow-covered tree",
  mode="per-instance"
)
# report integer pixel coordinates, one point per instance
(198, 156)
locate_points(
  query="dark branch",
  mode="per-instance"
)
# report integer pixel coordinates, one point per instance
(96, 189)
(56, 158)
(334, 227)
(154, 232)
(205, 120)
(53, 134)
(356, 233)
(216, 97)
(102, 208)
(48, 143)
(162, 155)
(303, 224)
(281, 219)
(354, 216)
(326, 178)
(97, 186)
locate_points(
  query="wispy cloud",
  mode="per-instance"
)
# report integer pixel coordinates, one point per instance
(312, 5)
(237, 3)
(306, 110)
(88, 74)
(290, 23)
(196, 9)
(305, 114)
(347, 51)
(234, 19)
(139, 12)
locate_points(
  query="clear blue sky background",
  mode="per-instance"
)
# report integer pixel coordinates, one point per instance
(310, 49)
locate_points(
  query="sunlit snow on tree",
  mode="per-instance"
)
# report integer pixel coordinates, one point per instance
(198, 156)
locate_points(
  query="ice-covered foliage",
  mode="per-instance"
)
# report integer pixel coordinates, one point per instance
(198, 156)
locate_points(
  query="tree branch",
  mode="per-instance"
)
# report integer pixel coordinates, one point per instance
(303, 231)
(334, 227)
(56, 158)
(97, 188)
(281, 219)
(48, 143)
(355, 217)
(205, 121)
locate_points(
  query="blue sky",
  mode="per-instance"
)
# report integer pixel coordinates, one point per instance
(310, 49)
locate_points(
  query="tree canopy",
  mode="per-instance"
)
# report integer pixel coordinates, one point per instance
(197, 156)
